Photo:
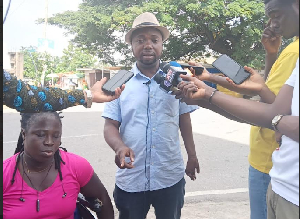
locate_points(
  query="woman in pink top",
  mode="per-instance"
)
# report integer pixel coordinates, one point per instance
(42, 181)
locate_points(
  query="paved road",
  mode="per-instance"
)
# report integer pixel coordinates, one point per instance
(220, 192)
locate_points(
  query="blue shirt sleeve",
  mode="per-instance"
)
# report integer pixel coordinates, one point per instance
(112, 110)
(184, 108)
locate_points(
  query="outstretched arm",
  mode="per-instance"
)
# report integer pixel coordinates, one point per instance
(207, 105)
(257, 113)
(262, 114)
(26, 98)
(255, 85)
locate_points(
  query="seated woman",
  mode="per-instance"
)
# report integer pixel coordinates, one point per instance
(42, 181)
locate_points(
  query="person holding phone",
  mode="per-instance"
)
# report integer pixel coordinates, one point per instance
(142, 128)
(283, 116)
(284, 22)
(27, 98)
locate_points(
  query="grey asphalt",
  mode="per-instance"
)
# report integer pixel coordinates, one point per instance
(220, 191)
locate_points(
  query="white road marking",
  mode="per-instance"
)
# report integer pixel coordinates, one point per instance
(216, 192)
(81, 136)
(211, 192)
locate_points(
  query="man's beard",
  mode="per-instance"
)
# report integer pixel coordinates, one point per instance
(149, 63)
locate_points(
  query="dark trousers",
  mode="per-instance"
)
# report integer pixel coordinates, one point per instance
(167, 202)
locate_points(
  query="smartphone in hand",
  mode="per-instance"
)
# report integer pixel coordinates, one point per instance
(198, 69)
(231, 69)
(116, 81)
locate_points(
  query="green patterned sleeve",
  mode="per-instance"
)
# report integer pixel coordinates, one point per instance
(27, 98)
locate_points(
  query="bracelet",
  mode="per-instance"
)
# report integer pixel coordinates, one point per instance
(211, 96)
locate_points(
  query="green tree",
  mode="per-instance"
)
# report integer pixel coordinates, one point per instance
(199, 27)
(75, 57)
(72, 58)
(34, 62)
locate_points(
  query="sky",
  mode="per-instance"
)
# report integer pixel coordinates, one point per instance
(20, 28)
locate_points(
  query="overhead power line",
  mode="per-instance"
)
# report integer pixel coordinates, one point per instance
(8, 7)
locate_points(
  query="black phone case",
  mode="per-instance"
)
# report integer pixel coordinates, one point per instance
(241, 76)
(116, 81)
(198, 69)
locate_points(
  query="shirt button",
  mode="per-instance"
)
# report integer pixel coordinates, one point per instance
(154, 129)
(153, 146)
(151, 96)
(152, 164)
(152, 112)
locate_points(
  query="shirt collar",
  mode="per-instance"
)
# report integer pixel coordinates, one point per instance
(136, 71)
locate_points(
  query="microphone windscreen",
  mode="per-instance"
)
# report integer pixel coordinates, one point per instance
(175, 64)
(164, 66)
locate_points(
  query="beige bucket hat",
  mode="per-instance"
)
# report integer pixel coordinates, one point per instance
(147, 19)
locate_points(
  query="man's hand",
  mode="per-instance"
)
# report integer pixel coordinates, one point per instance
(100, 97)
(252, 86)
(179, 95)
(191, 167)
(271, 40)
(193, 89)
(205, 76)
(120, 158)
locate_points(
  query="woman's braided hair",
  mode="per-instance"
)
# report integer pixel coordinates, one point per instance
(26, 120)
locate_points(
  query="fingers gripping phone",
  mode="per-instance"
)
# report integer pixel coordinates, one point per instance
(198, 69)
(116, 81)
(231, 69)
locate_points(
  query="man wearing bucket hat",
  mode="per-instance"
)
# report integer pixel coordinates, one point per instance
(142, 128)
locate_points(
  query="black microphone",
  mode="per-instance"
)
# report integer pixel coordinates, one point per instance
(22, 199)
(171, 79)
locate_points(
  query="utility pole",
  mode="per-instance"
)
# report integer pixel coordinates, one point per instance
(46, 19)
(45, 38)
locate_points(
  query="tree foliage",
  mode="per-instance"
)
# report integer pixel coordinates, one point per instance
(34, 62)
(199, 27)
(72, 58)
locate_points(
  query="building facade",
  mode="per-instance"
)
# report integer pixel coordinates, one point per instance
(16, 64)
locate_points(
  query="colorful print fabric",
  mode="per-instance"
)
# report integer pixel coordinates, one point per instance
(27, 98)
